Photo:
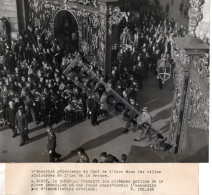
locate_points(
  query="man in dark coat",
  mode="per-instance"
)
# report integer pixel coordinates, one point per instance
(10, 113)
(37, 107)
(139, 74)
(22, 125)
(147, 62)
(51, 145)
(94, 111)
(167, 10)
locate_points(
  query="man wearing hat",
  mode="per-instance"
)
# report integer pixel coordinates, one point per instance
(22, 124)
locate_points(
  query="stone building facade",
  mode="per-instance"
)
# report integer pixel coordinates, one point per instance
(8, 10)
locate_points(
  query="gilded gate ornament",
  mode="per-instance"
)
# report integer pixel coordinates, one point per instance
(93, 3)
(197, 107)
(195, 15)
(178, 54)
(102, 8)
(93, 42)
(201, 63)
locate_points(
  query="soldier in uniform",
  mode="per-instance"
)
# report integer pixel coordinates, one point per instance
(51, 145)
(22, 125)
(144, 124)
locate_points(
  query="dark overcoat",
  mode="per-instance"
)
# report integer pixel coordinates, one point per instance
(11, 114)
(52, 142)
(21, 122)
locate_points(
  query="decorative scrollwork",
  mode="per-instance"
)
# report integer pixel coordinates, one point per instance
(195, 15)
(85, 47)
(37, 22)
(197, 107)
(201, 63)
(93, 41)
(95, 20)
(115, 16)
(102, 8)
(177, 101)
(93, 3)
(178, 54)
(35, 5)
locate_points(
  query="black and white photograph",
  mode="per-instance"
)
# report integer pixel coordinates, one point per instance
(104, 81)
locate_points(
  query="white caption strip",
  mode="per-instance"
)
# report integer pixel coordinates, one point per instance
(2, 178)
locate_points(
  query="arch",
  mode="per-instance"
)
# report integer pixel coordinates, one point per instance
(66, 28)
(70, 11)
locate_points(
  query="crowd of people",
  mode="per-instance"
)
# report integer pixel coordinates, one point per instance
(145, 34)
(32, 80)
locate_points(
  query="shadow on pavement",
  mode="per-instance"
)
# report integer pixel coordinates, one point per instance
(96, 142)
(162, 115)
(36, 128)
(165, 129)
(105, 119)
(59, 129)
(64, 126)
(3, 128)
(37, 137)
